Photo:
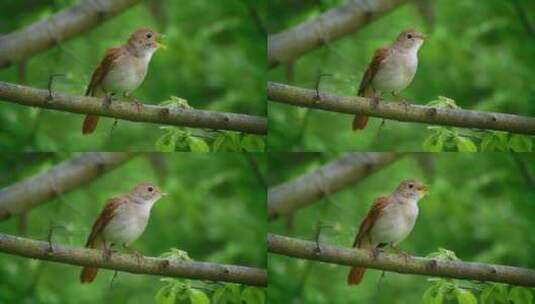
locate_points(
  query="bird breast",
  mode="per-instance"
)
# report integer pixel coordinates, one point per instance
(396, 71)
(395, 222)
(126, 74)
(128, 224)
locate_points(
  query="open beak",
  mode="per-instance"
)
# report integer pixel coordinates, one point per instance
(159, 39)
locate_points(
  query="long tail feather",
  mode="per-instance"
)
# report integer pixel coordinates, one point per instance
(360, 122)
(90, 124)
(355, 275)
(88, 274)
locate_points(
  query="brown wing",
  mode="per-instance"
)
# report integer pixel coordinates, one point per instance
(370, 219)
(109, 58)
(109, 211)
(378, 57)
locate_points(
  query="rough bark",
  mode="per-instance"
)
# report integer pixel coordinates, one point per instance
(301, 249)
(68, 175)
(408, 111)
(286, 46)
(29, 96)
(334, 176)
(68, 23)
(132, 263)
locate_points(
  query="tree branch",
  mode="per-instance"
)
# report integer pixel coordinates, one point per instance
(66, 176)
(400, 111)
(332, 177)
(66, 24)
(287, 46)
(132, 263)
(415, 265)
(29, 96)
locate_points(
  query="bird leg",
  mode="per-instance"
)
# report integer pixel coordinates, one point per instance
(400, 99)
(107, 100)
(405, 255)
(376, 251)
(139, 256)
(375, 99)
(106, 252)
(137, 103)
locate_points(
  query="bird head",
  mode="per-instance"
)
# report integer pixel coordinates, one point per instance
(412, 189)
(410, 39)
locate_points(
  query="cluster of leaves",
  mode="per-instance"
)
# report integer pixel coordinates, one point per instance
(187, 291)
(464, 140)
(465, 292)
(185, 139)
(193, 140)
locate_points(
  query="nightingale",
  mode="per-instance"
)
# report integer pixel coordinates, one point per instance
(389, 221)
(122, 70)
(121, 222)
(391, 70)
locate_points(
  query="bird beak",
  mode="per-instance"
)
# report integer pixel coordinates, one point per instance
(159, 42)
(422, 36)
(422, 189)
(164, 193)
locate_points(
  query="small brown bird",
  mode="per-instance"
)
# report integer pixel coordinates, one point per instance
(391, 70)
(121, 222)
(122, 70)
(389, 221)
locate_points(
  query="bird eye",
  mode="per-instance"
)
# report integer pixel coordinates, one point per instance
(150, 189)
(409, 36)
(411, 185)
(149, 35)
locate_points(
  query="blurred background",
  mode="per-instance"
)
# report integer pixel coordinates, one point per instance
(480, 54)
(478, 206)
(215, 60)
(215, 211)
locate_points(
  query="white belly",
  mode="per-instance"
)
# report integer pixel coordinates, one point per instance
(395, 224)
(123, 78)
(396, 74)
(125, 228)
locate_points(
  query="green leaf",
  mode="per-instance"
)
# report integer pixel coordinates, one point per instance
(197, 297)
(434, 143)
(464, 144)
(253, 143)
(162, 294)
(166, 295)
(197, 144)
(167, 142)
(233, 293)
(227, 142)
(488, 143)
(219, 296)
(520, 295)
(443, 102)
(520, 143)
(253, 295)
(465, 297)
(487, 295)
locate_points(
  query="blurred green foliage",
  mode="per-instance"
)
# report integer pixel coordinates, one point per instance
(480, 207)
(215, 60)
(478, 53)
(215, 211)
